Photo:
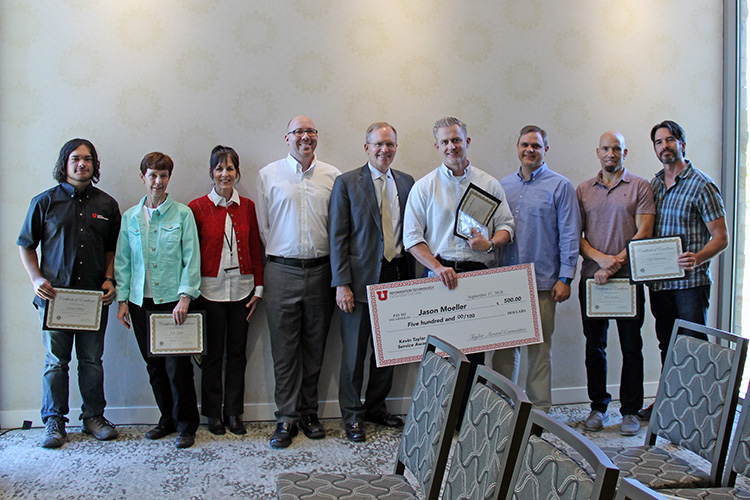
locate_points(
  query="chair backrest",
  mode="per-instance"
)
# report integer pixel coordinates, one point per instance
(490, 438)
(546, 470)
(630, 489)
(697, 396)
(739, 453)
(433, 414)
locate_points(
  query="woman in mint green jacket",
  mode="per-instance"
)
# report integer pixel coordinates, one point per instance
(157, 268)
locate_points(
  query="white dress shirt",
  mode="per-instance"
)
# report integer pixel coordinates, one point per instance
(292, 208)
(431, 213)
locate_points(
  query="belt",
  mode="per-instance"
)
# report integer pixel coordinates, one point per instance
(463, 266)
(303, 263)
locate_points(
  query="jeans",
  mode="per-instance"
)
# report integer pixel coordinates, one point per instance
(89, 349)
(631, 345)
(667, 306)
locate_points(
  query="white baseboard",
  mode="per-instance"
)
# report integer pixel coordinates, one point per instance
(265, 411)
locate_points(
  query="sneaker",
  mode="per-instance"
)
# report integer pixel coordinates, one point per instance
(645, 414)
(595, 421)
(99, 427)
(630, 425)
(54, 433)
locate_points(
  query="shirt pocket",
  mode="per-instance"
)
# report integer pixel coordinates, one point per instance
(540, 204)
(134, 238)
(169, 239)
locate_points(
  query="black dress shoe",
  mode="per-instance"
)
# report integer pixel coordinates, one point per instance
(184, 440)
(215, 426)
(282, 438)
(385, 419)
(312, 427)
(355, 432)
(159, 432)
(235, 425)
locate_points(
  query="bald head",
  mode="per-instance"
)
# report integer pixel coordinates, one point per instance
(611, 151)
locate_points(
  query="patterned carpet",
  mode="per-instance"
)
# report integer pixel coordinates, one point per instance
(217, 466)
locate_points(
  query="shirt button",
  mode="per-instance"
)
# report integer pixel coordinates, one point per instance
(156, 283)
(81, 229)
(81, 214)
(161, 300)
(153, 249)
(154, 230)
(154, 265)
(81, 246)
(80, 262)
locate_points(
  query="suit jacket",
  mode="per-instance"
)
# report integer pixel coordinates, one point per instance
(355, 229)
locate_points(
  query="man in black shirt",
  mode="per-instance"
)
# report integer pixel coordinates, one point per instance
(77, 226)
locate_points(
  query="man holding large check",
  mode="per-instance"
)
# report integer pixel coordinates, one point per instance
(431, 234)
(76, 225)
(616, 207)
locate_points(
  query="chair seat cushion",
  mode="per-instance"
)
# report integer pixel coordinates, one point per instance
(657, 468)
(322, 486)
(707, 493)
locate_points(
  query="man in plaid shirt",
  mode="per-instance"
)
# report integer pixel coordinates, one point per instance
(688, 203)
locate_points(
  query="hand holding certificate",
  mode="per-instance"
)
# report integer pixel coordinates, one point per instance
(167, 338)
(655, 259)
(614, 299)
(74, 310)
(490, 309)
(475, 210)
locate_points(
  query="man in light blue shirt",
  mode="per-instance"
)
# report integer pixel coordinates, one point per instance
(548, 233)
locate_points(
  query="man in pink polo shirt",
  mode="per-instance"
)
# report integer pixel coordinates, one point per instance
(616, 207)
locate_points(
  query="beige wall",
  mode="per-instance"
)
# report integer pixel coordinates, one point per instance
(181, 76)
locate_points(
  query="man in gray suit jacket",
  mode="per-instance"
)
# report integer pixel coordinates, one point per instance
(366, 214)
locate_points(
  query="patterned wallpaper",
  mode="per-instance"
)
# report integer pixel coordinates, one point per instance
(180, 76)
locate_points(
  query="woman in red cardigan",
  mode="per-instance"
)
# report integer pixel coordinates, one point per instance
(231, 286)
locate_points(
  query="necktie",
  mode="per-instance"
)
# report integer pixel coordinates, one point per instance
(386, 221)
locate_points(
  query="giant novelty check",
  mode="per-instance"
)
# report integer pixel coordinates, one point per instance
(489, 309)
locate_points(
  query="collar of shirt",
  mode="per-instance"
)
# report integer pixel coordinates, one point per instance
(71, 191)
(297, 166)
(536, 173)
(377, 174)
(449, 173)
(220, 201)
(161, 209)
(625, 177)
(684, 173)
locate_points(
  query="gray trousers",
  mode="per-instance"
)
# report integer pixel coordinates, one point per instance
(356, 337)
(299, 304)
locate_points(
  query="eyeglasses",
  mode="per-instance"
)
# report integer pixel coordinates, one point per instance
(299, 132)
(389, 145)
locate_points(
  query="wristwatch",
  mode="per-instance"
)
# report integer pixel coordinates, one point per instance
(492, 247)
(567, 281)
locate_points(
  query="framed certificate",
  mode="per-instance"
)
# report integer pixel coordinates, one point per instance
(614, 299)
(655, 259)
(74, 310)
(167, 339)
(475, 210)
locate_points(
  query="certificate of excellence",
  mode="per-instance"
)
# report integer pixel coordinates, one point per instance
(489, 309)
(614, 299)
(74, 310)
(655, 259)
(168, 339)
